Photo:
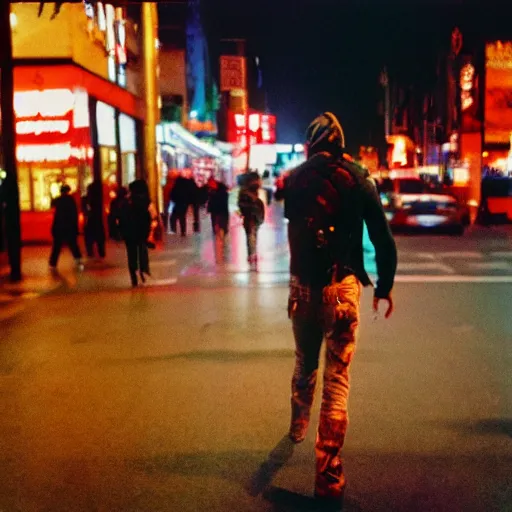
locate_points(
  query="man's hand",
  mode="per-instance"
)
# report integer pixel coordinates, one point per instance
(389, 301)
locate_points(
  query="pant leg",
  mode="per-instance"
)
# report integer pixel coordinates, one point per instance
(341, 320)
(56, 248)
(304, 310)
(197, 221)
(173, 220)
(143, 256)
(131, 252)
(89, 240)
(100, 242)
(251, 233)
(183, 222)
(73, 247)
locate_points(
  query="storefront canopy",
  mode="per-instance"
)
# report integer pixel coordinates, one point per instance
(175, 135)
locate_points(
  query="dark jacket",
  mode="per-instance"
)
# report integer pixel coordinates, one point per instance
(184, 193)
(135, 219)
(218, 200)
(359, 201)
(65, 219)
(251, 206)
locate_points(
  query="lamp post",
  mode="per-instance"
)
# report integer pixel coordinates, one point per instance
(8, 138)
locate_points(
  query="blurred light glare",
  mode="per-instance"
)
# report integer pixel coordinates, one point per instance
(13, 19)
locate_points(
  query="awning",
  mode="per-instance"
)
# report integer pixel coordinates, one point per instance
(175, 135)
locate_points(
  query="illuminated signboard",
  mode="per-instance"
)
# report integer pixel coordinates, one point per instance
(498, 92)
(262, 128)
(52, 125)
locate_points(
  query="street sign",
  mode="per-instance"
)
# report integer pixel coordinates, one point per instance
(232, 73)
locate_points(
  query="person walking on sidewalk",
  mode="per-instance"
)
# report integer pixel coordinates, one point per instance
(94, 229)
(135, 226)
(65, 227)
(252, 209)
(218, 208)
(327, 199)
(182, 195)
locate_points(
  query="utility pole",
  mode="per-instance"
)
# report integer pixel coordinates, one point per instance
(12, 201)
(384, 81)
(150, 60)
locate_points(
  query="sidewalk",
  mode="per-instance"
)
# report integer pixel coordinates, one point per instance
(191, 258)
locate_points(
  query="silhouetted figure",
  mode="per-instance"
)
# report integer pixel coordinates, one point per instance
(252, 210)
(135, 225)
(65, 227)
(182, 195)
(115, 208)
(218, 208)
(94, 229)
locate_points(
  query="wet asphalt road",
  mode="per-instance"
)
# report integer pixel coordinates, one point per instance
(175, 397)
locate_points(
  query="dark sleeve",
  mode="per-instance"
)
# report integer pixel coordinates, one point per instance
(381, 238)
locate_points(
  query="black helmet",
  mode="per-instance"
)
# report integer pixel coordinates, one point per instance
(325, 133)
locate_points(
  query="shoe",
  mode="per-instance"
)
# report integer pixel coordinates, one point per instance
(135, 282)
(330, 486)
(142, 277)
(298, 432)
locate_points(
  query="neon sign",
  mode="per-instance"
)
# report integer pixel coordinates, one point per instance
(46, 103)
(51, 152)
(42, 126)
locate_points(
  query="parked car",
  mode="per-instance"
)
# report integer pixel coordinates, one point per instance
(411, 204)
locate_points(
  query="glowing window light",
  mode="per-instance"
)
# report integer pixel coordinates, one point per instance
(254, 122)
(47, 103)
(13, 19)
(102, 22)
(240, 120)
(399, 154)
(81, 109)
(40, 126)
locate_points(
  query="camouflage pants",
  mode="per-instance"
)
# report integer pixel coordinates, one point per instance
(333, 314)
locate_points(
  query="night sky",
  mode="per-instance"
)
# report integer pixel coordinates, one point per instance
(321, 55)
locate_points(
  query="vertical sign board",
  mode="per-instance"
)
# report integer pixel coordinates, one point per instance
(498, 92)
(232, 73)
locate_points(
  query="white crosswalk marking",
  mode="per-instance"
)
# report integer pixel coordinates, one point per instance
(490, 265)
(466, 255)
(423, 266)
(501, 254)
(452, 279)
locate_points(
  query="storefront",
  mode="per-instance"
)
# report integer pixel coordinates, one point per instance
(65, 114)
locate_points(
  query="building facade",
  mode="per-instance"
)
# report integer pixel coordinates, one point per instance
(78, 102)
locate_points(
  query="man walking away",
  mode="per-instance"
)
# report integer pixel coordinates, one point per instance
(252, 210)
(94, 227)
(135, 226)
(327, 198)
(218, 208)
(65, 227)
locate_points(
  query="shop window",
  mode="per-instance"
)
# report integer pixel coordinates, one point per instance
(46, 183)
(24, 188)
(108, 165)
(106, 123)
(129, 168)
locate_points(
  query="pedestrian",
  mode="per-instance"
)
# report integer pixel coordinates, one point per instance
(182, 195)
(65, 227)
(326, 201)
(94, 229)
(135, 226)
(114, 210)
(218, 208)
(252, 210)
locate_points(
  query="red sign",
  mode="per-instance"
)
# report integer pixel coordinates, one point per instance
(232, 73)
(49, 126)
(262, 128)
